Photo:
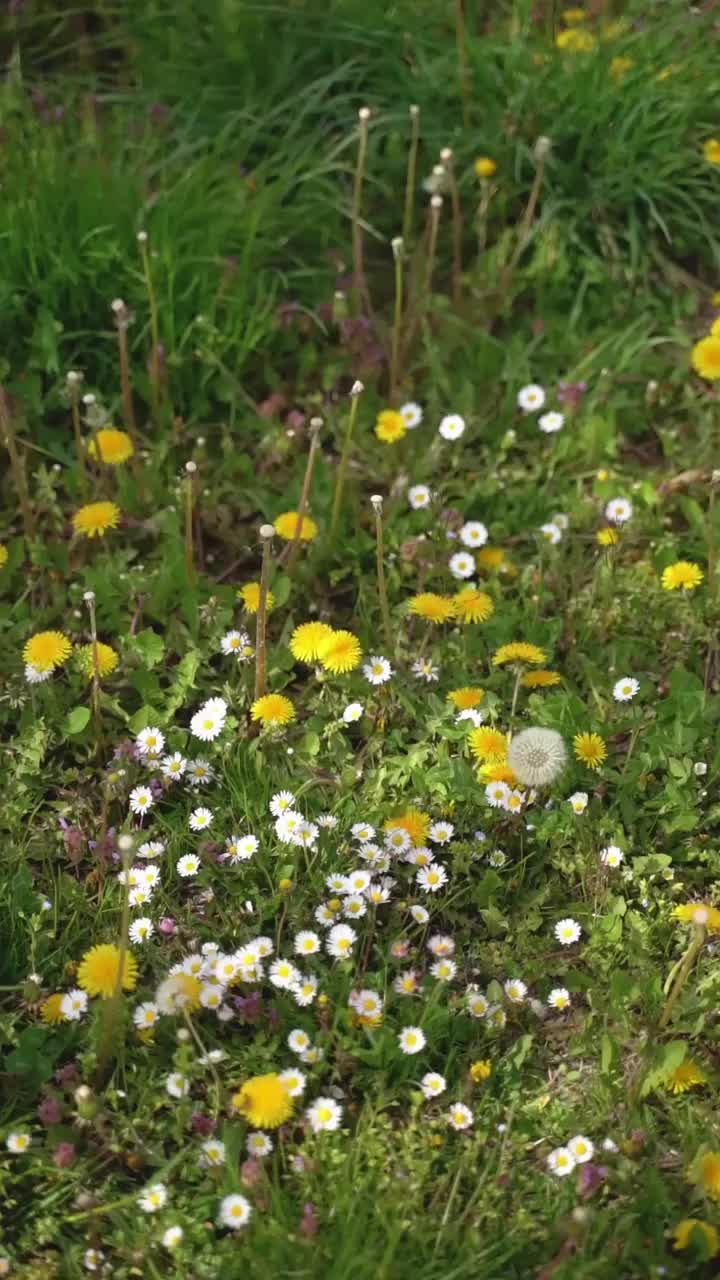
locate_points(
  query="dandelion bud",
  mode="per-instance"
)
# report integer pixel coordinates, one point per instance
(125, 843)
(542, 147)
(89, 399)
(357, 389)
(86, 1102)
(73, 377)
(436, 202)
(446, 155)
(414, 110)
(266, 531)
(377, 501)
(183, 1035)
(191, 467)
(142, 237)
(117, 305)
(315, 425)
(364, 113)
(438, 171)
(398, 245)
(88, 596)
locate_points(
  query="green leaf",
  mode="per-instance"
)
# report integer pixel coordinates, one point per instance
(608, 1053)
(149, 647)
(77, 720)
(667, 1059)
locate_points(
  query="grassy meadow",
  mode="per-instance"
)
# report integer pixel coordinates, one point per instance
(359, 655)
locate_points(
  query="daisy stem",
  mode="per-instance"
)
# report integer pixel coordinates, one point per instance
(111, 1011)
(683, 973)
(266, 534)
(376, 501)
(397, 248)
(462, 61)
(407, 225)
(154, 327)
(294, 546)
(355, 393)
(359, 281)
(190, 469)
(17, 465)
(204, 1054)
(79, 450)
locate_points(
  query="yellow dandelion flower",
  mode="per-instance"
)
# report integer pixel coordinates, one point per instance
(518, 651)
(286, 524)
(705, 358)
(390, 426)
(99, 969)
(50, 1010)
(414, 821)
(340, 652)
(466, 697)
(481, 1070)
(484, 167)
(273, 709)
(589, 749)
(620, 66)
(497, 771)
(715, 328)
(670, 70)
(575, 41)
(607, 537)
(432, 607)
(114, 446)
(472, 605)
(306, 640)
(3, 555)
(540, 679)
(684, 575)
(94, 520)
(488, 744)
(701, 913)
(107, 659)
(685, 1077)
(572, 16)
(264, 1101)
(708, 1173)
(689, 1227)
(47, 650)
(491, 558)
(250, 596)
(711, 150)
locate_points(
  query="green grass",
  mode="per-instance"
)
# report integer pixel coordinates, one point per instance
(229, 133)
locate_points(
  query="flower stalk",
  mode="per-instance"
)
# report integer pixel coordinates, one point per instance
(17, 465)
(410, 175)
(377, 505)
(266, 534)
(682, 974)
(293, 549)
(355, 392)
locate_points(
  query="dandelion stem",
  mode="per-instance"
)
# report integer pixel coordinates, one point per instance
(377, 503)
(266, 533)
(407, 225)
(397, 248)
(357, 234)
(294, 546)
(419, 302)
(683, 973)
(72, 387)
(462, 61)
(204, 1054)
(190, 469)
(17, 465)
(355, 393)
(154, 327)
(542, 148)
(89, 599)
(122, 320)
(112, 1009)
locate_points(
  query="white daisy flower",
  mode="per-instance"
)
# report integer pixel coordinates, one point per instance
(141, 930)
(477, 1004)
(150, 742)
(459, 1116)
(305, 991)
(172, 1237)
(433, 1084)
(561, 1162)
(452, 426)
(153, 1198)
(624, 690)
(145, 1015)
(567, 931)
(306, 943)
(173, 766)
(444, 970)
(611, 856)
(496, 794)
(559, 998)
(188, 865)
(294, 1082)
(177, 1085)
(551, 422)
(233, 642)
(432, 878)
(200, 819)
(207, 724)
(419, 496)
(531, 398)
(281, 802)
(618, 510)
(515, 990)
(324, 1115)
(258, 1144)
(234, 1212)
(340, 939)
(352, 712)
(199, 773)
(581, 1149)
(362, 831)
(151, 849)
(411, 414)
(141, 800)
(551, 533)
(74, 1004)
(462, 565)
(441, 832)
(287, 824)
(411, 1040)
(377, 670)
(18, 1142)
(419, 914)
(283, 974)
(473, 534)
(578, 801)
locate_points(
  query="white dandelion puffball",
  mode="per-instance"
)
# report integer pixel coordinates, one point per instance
(537, 756)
